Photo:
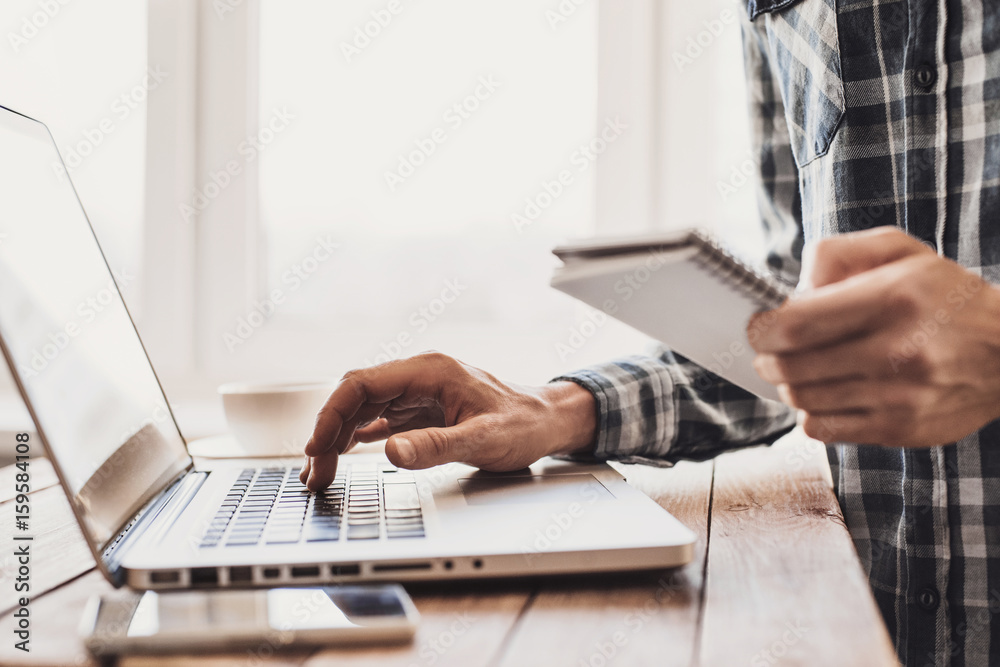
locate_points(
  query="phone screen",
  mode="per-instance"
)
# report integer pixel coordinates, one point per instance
(284, 609)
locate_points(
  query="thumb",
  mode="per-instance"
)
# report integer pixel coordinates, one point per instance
(428, 447)
(836, 258)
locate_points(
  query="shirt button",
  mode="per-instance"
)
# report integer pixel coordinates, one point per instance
(929, 599)
(925, 76)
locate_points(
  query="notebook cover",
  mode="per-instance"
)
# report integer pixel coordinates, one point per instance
(668, 294)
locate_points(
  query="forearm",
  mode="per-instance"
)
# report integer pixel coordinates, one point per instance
(574, 418)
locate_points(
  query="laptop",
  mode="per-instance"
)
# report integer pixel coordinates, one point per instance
(155, 520)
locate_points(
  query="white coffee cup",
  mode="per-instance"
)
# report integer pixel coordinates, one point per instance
(273, 418)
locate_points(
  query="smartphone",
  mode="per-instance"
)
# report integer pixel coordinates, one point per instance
(262, 621)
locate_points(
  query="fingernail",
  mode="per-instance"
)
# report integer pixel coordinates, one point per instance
(404, 448)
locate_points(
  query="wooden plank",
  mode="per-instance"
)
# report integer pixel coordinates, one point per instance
(652, 621)
(58, 550)
(42, 477)
(55, 618)
(784, 584)
(456, 629)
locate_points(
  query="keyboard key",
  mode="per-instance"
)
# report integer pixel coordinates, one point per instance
(322, 535)
(393, 536)
(362, 520)
(366, 532)
(401, 497)
(366, 504)
(405, 521)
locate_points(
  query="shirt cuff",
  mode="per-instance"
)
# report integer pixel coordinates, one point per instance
(636, 417)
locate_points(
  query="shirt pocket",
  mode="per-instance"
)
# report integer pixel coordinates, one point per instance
(804, 53)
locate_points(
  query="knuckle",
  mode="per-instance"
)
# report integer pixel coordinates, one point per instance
(818, 428)
(922, 364)
(437, 444)
(354, 382)
(792, 329)
(797, 396)
(904, 297)
(438, 359)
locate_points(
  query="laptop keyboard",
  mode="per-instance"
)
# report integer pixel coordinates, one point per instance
(271, 506)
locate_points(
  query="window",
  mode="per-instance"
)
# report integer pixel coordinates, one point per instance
(425, 140)
(81, 69)
(303, 187)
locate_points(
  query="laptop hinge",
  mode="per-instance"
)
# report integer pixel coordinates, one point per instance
(157, 516)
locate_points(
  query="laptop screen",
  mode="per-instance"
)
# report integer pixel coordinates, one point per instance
(72, 345)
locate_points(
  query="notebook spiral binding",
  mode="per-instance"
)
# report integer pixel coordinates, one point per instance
(766, 290)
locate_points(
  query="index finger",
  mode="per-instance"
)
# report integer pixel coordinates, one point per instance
(368, 387)
(835, 258)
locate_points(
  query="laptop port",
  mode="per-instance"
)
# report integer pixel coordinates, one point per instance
(240, 575)
(305, 570)
(204, 576)
(399, 567)
(271, 573)
(165, 577)
(345, 570)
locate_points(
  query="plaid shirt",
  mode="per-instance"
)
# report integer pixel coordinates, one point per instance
(864, 113)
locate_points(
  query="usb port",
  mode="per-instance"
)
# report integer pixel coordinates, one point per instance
(305, 571)
(240, 575)
(204, 576)
(165, 577)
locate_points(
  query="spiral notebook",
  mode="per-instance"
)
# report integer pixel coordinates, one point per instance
(682, 288)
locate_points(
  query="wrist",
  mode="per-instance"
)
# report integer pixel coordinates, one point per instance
(572, 416)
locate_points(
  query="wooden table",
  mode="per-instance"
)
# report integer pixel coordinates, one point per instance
(775, 580)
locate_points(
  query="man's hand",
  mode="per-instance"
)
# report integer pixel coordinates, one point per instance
(434, 409)
(889, 344)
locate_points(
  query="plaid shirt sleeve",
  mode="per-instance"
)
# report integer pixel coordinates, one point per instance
(662, 409)
(665, 408)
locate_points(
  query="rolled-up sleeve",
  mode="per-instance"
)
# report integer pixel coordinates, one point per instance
(662, 409)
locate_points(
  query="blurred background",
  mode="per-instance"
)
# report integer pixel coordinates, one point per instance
(294, 189)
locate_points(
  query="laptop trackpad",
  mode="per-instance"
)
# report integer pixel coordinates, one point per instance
(522, 489)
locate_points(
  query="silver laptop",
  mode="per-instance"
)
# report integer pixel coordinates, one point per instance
(154, 520)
